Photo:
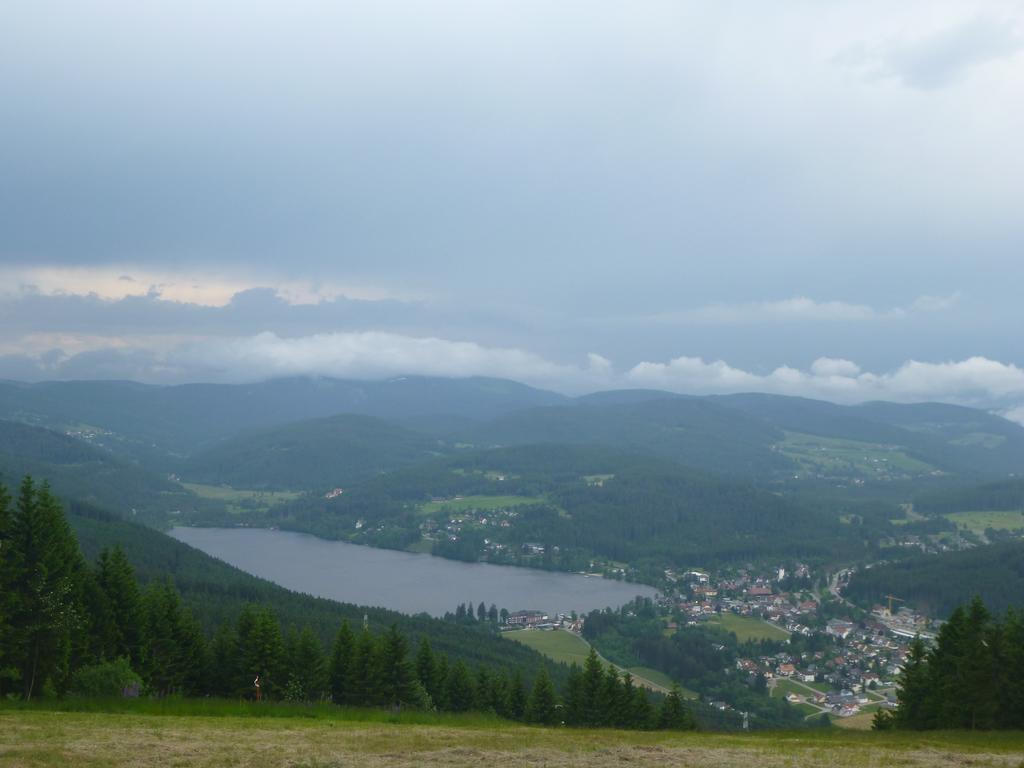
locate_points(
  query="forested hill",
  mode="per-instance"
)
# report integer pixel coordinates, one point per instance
(81, 471)
(217, 592)
(177, 419)
(692, 431)
(936, 584)
(318, 453)
(1001, 495)
(739, 435)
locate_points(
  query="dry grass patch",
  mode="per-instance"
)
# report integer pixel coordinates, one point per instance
(89, 740)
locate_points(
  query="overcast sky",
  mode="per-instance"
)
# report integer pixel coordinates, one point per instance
(820, 198)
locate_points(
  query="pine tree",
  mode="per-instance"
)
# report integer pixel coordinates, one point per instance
(173, 651)
(913, 692)
(591, 691)
(641, 712)
(340, 671)
(307, 670)
(45, 570)
(365, 675)
(397, 674)
(8, 672)
(261, 652)
(481, 612)
(1011, 689)
(116, 578)
(516, 697)
(574, 696)
(612, 698)
(459, 690)
(426, 670)
(541, 708)
(674, 715)
(222, 662)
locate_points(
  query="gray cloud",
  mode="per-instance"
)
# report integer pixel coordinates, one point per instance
(649, 182)
(940, 59)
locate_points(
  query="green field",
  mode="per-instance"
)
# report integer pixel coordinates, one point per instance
(558, 645)
(565, 647)
(240, 500)
(748, 628)
(483, 503)
(835, 456)
(50, 739)
(977, 522)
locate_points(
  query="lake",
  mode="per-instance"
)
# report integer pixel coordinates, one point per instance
(402, 581)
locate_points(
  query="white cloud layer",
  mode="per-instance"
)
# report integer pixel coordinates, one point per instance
(976, 381)
(802, 309)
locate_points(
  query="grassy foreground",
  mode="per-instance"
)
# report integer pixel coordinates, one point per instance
(30, 738)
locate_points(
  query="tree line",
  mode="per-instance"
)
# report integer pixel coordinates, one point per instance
(972, 678)
(70, 627)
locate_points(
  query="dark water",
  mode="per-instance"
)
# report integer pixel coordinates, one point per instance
(402, 581)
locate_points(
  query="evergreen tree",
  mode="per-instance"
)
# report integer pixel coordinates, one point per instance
(222, 662)
(481, 612)
(397, 674)
(116, 578)
(173, 650)
(8, 671)
(492, 614)
(441, 702)
(340, 670)
(459, 690)
(1011, 692)
(261, 652)
(483, 690)
(612, 699)
(674, 715)
(641, 713)
(591, 706)
(913, 691)
(574, 696)
(516, 696)
(44, 570)
(365, 671)
(541, 708)
(498, 697)
(426, 670)
(307, 676)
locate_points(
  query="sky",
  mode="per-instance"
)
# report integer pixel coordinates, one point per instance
(809, 198)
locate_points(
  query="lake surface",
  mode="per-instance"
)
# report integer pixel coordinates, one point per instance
(402, 581)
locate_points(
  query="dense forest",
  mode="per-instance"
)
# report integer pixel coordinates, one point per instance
(1001, 495)
(937, 584)
(699, 657)
(70, 628)
(973, 677)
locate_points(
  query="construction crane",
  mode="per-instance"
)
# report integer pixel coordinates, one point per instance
(897, 599)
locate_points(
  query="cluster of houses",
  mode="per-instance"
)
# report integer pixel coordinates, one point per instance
(863, 660)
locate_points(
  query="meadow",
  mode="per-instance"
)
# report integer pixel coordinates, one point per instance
(748, 628)
(126, 736)
(481, 503)
(566, 648)
(978, 521)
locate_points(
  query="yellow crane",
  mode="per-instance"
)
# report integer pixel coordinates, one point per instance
(890, 598)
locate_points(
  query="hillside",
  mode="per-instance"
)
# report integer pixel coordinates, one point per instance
(216, 592)
(580, 502)
(314, 454)
(76, 469)
(175, 420)
(936, 584)
(693, 431)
